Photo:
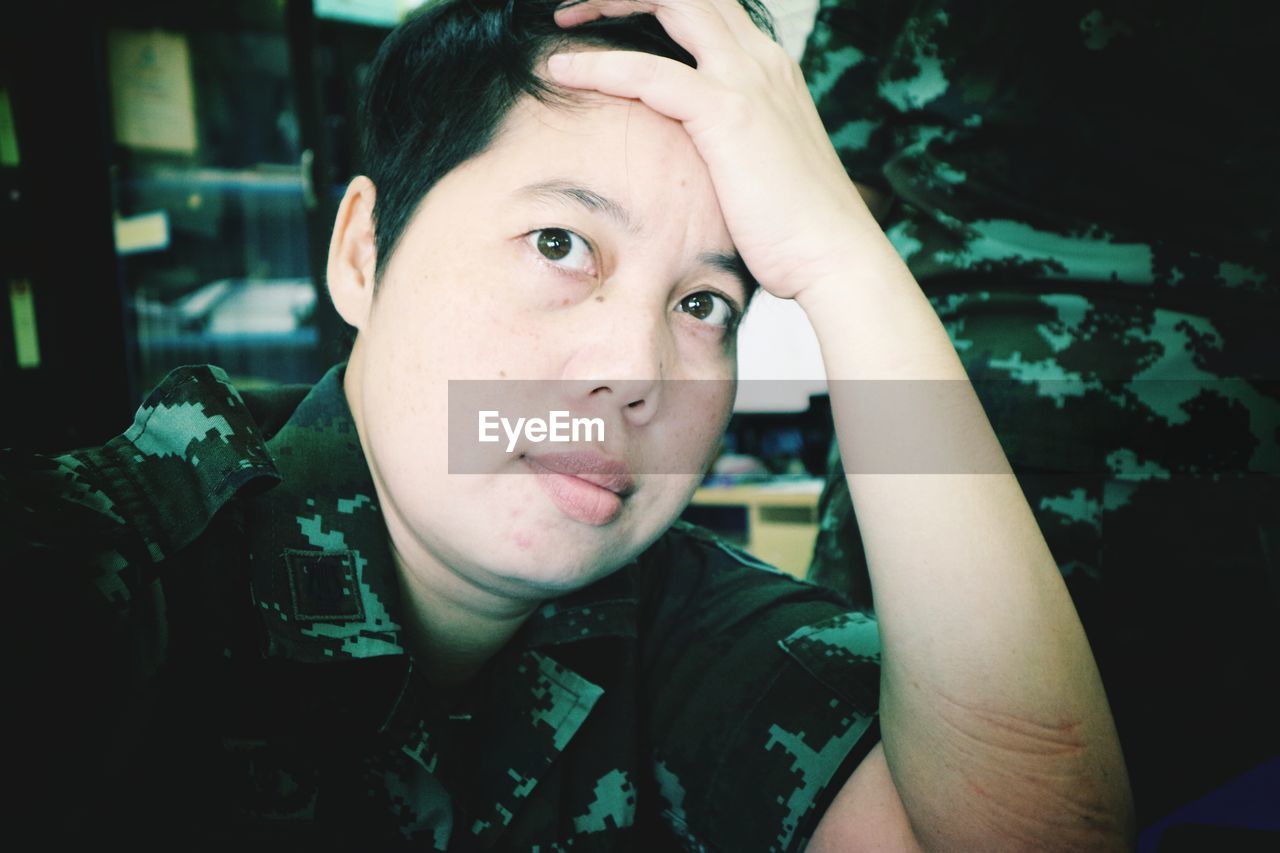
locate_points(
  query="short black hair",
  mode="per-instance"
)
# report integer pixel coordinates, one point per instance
(446, 78)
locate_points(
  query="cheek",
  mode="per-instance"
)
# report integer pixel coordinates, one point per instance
(705, 353)
(671, 493)
(697, 413)
(408, 435)
(455, 325)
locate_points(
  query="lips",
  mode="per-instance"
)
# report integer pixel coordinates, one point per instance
(595, 468)
(587, 487)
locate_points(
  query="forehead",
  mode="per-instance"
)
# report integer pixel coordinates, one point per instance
(596, 122)
(619, 148)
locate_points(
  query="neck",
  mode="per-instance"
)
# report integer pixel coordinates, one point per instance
(452, 625)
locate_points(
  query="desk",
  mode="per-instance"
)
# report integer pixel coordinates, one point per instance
(781, 519)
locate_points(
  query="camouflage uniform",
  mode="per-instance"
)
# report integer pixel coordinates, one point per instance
(1089, 194)
(216, 597)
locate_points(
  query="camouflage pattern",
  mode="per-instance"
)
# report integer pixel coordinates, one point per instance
(231, 664)
(1087, 192)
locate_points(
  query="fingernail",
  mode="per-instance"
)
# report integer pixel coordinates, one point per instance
(569, 3)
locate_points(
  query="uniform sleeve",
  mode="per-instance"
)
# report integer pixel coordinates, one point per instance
(764, 696)
(842, 63)
(84, 570)
(85, 536)
(87, 634)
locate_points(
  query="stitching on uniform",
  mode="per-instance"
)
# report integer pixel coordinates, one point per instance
(346, 555)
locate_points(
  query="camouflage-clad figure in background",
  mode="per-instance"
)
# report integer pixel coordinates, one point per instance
(1089, 193)
(219, 659)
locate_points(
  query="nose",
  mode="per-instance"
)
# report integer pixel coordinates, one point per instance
(621, 353)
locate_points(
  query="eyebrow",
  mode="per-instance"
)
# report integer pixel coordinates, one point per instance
(726, 262)
(590, 199)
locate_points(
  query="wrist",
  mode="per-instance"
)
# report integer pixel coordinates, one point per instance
(861, 266)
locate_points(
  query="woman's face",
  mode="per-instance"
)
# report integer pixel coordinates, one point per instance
(584, 248)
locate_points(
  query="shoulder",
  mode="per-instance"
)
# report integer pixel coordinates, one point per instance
(690, 544)
(763, 692)
(152, 490)
(693, 565)
(694, 582)
(194, 444)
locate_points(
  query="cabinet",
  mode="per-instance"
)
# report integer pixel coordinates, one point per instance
(180, 169)
(775, 522)
(211, 189)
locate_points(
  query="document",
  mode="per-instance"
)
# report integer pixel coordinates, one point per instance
(152, 102)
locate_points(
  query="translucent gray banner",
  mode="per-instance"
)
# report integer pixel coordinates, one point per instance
(1142, 427)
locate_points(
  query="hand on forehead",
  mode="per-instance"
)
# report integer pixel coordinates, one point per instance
(783, 191)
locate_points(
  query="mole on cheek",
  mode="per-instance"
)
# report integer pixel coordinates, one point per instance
(599, 299)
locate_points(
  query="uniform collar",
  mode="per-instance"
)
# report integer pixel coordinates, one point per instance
(323, 580)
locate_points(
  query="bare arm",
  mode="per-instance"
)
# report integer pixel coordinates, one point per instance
(996, 730)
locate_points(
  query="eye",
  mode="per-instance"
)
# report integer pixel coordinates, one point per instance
(711, 308)
(563, 248)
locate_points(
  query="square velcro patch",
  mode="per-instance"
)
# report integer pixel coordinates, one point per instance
(323, 586)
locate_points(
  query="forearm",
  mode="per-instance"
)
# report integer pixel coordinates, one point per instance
(994, 719)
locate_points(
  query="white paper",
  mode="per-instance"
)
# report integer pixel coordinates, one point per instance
(146, 232)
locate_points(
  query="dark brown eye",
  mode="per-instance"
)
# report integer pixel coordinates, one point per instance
(711, 308)
(555, 243)
(564, 248)
(699, 305)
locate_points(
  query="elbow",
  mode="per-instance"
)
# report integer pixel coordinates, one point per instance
(1035, 824)
(1063, 810)
(1028, 785)
(1118, 824)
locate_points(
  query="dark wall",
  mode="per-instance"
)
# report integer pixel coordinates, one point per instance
(55, 231)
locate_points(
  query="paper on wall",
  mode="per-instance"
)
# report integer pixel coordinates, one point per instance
(151, 90)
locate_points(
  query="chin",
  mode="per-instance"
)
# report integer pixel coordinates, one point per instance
(551, 568)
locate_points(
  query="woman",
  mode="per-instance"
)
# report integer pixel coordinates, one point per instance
(457, 656)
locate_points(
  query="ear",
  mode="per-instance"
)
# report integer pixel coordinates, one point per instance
(353, 253)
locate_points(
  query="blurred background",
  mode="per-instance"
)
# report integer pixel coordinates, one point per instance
(169, 178)
(169, 174)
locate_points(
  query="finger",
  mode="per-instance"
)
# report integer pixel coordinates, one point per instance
(740, 23)
(665, 85)
(695, 25)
